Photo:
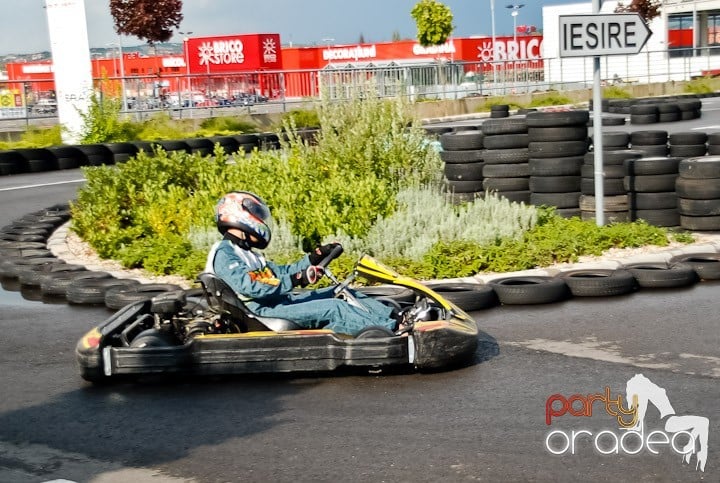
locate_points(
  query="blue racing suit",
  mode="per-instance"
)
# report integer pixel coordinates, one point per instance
(266, 288)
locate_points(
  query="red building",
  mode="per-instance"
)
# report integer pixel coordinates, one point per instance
(232, 65)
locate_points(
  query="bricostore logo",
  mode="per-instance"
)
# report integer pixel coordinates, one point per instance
(685, 435)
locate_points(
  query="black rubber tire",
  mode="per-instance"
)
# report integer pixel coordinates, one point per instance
(516, 170)
(557, 118)
(611, 171)
(700, 223)
(688, 137)
(687, 150)
(468, 296)
(611, 187)
(652, 183)
(228, 143)
(614, 140)
(669, 116)
(657, 217)
(599, 282)
(56, 285)
(659, 275)
(394, 292)
(699, 207)
(562, 166)
(700, 167)
(174, 145)
(706, 265)
(512, 125)
(203, 146)
(652, 150)
(118, 297)
(515, 196)
(464, 171)
(469, 156)
(649, 137)
(463, 140)
(644, 118)
(652, 165)
(613, 156)
(506, 141)
(463, 186)
(697, 189)
(564, 133)
(506, 156)
(558, 200)
(34, 278)
(505, 184)
(97, 154)
(531, 290)
(644, 109)
(554, 184)
(11, 266)
(652, 201)
(557, 149)
(92, 291)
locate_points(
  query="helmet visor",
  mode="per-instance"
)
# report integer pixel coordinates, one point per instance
(258, 210)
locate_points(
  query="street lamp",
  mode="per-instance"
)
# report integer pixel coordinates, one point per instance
(122, 71)
(187, 66)
(515, 7)
(328, 41)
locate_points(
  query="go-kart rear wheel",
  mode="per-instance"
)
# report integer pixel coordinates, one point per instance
(153, 338)
(375, 332)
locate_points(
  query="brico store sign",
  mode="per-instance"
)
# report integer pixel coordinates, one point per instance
(234, 53)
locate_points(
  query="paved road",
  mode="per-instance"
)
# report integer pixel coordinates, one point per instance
(481, 422)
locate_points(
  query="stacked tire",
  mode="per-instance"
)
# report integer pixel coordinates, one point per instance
(506, 170)
(698, 190)
(500, 110)
(558, 142)
(615, 198)
(650, 183)
(713, 143)
(651, 143)
(689, 109)
(462, 156)
(688, 144)
(644, 113)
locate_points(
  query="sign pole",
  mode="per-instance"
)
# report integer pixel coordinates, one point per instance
(597, 134)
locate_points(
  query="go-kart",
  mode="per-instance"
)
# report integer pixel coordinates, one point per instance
(214, 332)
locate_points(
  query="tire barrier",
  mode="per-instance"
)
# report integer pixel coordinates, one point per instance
(462, 157)
(650, 184)
(661, 275)
(650, 143)
(599, 282)
(655, 109)
(698, 190)
(26, 267)
(506, 171)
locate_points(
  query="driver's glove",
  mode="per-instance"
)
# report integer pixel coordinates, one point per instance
(307, 277)
(321, 252)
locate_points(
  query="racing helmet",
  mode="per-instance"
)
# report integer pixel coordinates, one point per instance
(248, 213)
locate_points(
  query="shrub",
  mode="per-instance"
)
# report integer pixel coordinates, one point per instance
(301, 118)
(36, 137)
(550, 99)
(702, 85)
(102, 123)
(615, 92)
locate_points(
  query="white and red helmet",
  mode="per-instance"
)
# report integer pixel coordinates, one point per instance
(246, 212)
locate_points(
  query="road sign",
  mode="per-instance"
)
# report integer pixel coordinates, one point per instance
(605, 34)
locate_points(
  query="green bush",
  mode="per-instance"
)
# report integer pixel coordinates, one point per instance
(36, 137)
(550, 99)
(301, 118)
(102, 123)
(702, 85)
(615, 92)
(218, 126)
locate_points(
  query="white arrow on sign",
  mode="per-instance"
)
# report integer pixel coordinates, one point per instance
(606, 34)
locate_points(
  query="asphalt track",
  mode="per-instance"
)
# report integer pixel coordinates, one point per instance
(482, 422)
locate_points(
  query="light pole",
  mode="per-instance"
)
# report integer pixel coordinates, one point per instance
(122, 71)
(494, 57)
(515, 7)
(186, 58)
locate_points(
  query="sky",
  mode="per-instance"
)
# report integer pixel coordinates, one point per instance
(23, 24)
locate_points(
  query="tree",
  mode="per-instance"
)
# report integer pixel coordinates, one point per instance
(150, 20)
(648, 9)
(434, 22)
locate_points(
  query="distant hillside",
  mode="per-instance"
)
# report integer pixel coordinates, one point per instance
(144, 49)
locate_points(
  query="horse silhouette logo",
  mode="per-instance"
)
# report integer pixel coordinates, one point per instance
(639, 391)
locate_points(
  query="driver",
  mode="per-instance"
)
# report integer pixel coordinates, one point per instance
(267, 288)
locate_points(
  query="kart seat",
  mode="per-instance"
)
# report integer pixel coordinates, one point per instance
(223, 299)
